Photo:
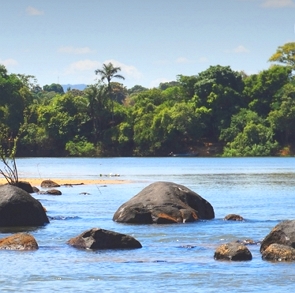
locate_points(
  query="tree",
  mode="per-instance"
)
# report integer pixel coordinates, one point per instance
(108, 72)
(261, 89)
(98, 108)
(219, 89)
(254, 140)
(54, 87)
(285, 54)
(282, 117)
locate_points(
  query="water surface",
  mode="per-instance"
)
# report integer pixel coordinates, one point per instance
(174, 257)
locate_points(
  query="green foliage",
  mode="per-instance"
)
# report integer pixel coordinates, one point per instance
(282, 117)
(249, 114)
(80, 147)
(261, 89)
(54, 87)
(220, 90)
(285, 54)
(254, 140)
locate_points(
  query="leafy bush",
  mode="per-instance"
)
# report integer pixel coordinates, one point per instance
(80, 147)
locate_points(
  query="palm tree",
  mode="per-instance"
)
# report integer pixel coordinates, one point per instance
(109, 72)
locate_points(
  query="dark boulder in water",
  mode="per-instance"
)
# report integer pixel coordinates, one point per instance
(19, 208)
(164, 203)
(97, 238)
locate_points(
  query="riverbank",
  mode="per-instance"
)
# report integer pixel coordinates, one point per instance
(37, 181)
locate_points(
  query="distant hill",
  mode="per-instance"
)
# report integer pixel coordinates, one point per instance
(80, 87)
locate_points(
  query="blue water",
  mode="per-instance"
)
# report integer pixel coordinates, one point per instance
(174, 258)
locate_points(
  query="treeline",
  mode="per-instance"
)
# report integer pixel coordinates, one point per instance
(248, 115)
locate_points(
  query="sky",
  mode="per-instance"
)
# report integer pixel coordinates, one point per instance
(152, 41)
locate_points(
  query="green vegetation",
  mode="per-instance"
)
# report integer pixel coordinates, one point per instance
(243, 115)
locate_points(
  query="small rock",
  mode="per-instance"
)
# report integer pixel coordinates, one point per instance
(233, 251)
(49, 184)
(233, 217)
(20, 241)
(35, 189)
(53, 192)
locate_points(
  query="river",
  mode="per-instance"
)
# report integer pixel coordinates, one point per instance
(174, 258)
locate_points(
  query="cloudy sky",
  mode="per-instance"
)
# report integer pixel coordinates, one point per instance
(64, 41)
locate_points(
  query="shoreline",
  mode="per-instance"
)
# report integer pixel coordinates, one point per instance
(63, 181)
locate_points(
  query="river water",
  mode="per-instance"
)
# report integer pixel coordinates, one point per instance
(174, 258)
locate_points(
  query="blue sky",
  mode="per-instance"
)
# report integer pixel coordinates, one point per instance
(152, 41)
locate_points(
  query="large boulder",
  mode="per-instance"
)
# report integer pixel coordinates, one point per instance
(283, 233)
(19, 241)
(233, 251)
(164, 203)
(19, 208)
(97, 238)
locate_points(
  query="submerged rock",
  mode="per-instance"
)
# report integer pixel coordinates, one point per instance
(164, 203)
(233, 217)
(233, 251)
(97, 238)
(19, 241)
(19, 208)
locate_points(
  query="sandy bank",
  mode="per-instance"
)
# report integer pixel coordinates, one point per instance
(37, 181)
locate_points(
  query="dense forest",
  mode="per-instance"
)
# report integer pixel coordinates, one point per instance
(217, 112)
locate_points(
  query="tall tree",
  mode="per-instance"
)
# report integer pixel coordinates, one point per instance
(285, 54)
(108, 72)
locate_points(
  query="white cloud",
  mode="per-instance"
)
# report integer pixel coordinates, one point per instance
(8, 62)
(156, 82)
(182, 60)
(238, 50)
(34, 11)
(277, 3)
(82, 65)
(83, 71)
(72, 50)
(203, 60)
(128, 71)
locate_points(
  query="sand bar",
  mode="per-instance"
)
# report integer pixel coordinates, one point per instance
(62, 181)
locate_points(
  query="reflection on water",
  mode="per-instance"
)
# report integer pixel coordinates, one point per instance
(173, 256)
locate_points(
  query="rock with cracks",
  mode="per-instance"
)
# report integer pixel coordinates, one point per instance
(19, 208)
(233, 251)
(19, 241)
(164, 203)
(97, 238)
